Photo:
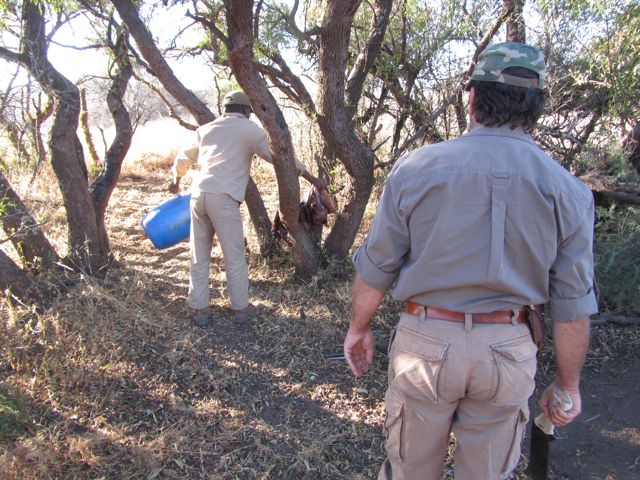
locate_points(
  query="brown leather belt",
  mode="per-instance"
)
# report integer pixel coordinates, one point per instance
(503, 316)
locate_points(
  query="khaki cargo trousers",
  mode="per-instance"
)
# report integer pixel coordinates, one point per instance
(474, 380)
(217, 214)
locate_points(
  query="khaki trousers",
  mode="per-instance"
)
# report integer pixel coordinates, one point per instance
(217, 213)
(474, 381)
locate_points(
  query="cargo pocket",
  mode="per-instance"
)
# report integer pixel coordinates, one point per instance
(514, 370)
(393, 428)
(513, 458)
(391, 339)
(416, 365)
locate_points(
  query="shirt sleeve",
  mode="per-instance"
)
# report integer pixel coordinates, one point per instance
(571, 280)
(184, 159)
(300, 166)
(379, 260)
(262, 146)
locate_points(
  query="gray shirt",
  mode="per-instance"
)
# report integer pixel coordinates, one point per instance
(481, 223)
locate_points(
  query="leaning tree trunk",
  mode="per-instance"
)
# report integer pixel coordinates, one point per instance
(22, 229)
(161, 69)
(366, 59)
(337, 129)
(130, 16)
(20, 285)
(239, 23)
(104, 184)
(67, 157)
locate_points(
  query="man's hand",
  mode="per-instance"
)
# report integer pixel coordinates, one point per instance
(359, 344)
(571, 342)
(554, 412)
(359, 347)
(174, 187)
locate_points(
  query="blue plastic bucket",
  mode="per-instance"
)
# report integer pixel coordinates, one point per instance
(169, 222)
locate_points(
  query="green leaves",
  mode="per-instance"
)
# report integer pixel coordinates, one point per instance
(613, 59)
(12, 418)
(617, 248)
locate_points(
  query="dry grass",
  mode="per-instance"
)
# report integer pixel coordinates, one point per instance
(119, 384)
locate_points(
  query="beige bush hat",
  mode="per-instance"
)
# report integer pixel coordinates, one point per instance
(236, 97)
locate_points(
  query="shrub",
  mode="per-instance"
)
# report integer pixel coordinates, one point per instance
(617, 250)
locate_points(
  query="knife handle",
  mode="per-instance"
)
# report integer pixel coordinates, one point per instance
(544, 423)
(561, 399)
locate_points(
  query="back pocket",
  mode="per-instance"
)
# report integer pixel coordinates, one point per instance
(416, 365)
(515, 369)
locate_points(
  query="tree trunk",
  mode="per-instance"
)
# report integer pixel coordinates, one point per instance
(67, 157)
(104, 184)
(364, 62)
(348, 98)
(336, 127)
(20, 285)
(259, 214)
(516, 31)
(631, 145)
(42, 114)
(461, 113)
(14, 136)
(606, 193)
(84, 122)
(130, 16)
(23, 231)
(239, 24)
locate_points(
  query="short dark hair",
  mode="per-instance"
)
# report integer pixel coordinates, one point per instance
(498, 104)
(236, 108)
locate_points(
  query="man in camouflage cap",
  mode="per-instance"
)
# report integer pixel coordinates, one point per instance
(468, 232)
(494, 60)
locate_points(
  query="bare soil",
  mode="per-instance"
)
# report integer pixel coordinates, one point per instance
(604, 442)
(117, 383)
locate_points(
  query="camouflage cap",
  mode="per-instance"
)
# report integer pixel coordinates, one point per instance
(496, 58)
(236, 97)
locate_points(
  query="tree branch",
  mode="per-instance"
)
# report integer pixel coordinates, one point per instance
(172, 111)
(129, 14)
(212, 28)
(355, 81)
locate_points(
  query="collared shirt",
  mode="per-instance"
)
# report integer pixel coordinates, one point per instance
(481, 223)
(223, 151)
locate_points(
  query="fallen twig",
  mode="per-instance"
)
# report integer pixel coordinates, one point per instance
(615, 319)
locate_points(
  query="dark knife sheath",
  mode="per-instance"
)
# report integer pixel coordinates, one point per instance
(542, 436)
(540, 448)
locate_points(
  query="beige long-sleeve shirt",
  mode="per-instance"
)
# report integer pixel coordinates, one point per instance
(482, 223)
(223, 151)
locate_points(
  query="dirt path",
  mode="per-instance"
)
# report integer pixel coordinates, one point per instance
(604, 442)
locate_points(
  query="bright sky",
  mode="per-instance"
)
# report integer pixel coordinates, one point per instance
(168, 21)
